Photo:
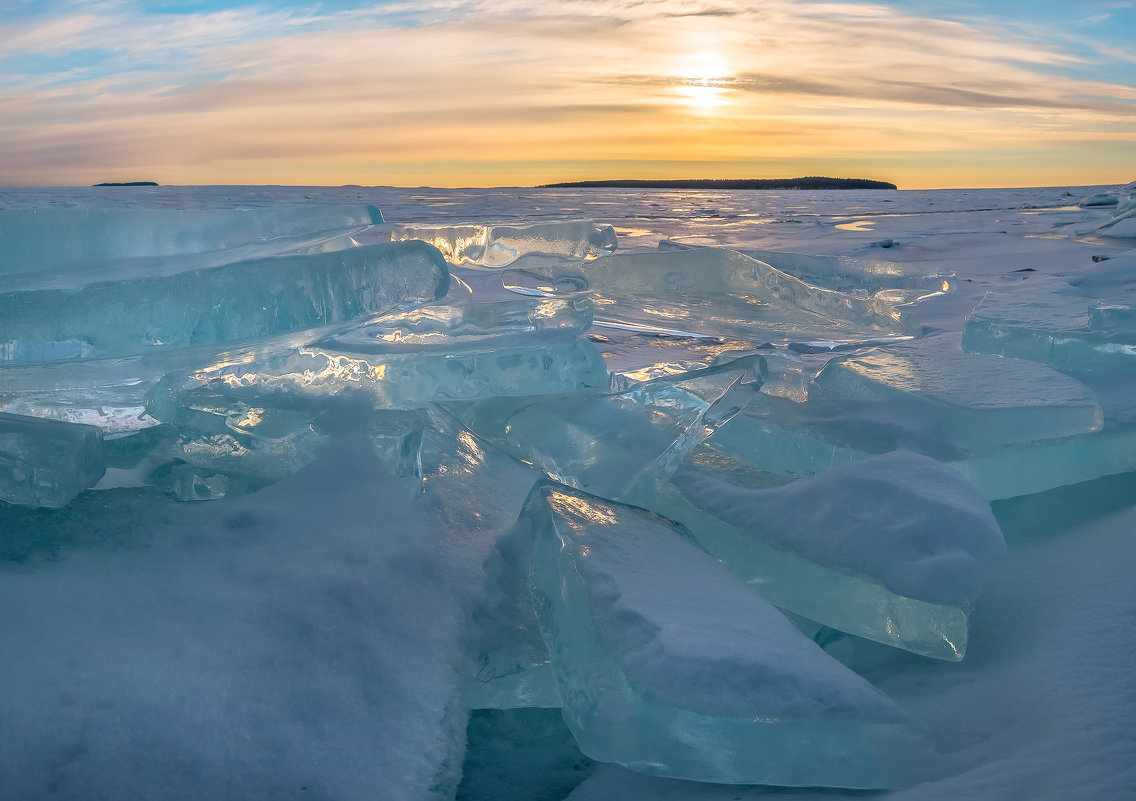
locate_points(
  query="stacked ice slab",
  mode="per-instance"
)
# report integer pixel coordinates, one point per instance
(102, 303)
(715, 292)
(622, 445)
(220, 355)
(490, 246)
(1012, 427)
(1069, 332)
(237, 305)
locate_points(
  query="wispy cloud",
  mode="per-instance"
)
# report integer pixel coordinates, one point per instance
(410, 89)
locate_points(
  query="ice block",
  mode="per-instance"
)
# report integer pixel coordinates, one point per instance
(669, 665)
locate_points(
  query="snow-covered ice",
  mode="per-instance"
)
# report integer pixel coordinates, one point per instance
(345, 609)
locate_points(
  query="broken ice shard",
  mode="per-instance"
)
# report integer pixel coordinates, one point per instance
(47, 462)
(893, 548)
(1012, 426)
(473, 493)
(396, 380)
(669, 665)
(47, 244)
(232, 305)
(501, 245)
(715, 292)
(1066, 331)
(461, 326)
(113, 409)
(220, 434)
(894, 282)
(622, 445)
(1002, 472)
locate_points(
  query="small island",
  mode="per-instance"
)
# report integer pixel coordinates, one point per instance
(810, 182)
(127, 183)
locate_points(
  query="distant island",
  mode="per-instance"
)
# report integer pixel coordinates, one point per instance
(128, 183)
(811, 182)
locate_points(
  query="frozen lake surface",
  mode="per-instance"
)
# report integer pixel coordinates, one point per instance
(301, 573)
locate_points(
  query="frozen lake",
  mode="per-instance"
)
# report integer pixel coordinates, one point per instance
(295, 585)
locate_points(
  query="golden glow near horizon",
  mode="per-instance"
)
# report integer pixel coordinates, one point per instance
(517, 92)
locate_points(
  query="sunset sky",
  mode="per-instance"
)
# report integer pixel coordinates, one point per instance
(518, 92)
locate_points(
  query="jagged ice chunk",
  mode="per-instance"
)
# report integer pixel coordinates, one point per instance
(715, 292)
(1066, 331)
(971, 401)
(47, 462)
(670, 666)
(903, 523)
(236, 304)
(501, 245)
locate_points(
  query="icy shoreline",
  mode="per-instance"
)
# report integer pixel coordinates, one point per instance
(243, 648)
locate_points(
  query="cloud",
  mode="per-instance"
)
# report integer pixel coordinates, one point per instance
(214, 94)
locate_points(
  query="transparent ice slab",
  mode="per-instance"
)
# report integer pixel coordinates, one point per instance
(235, 304)
(495, 246)
(621, 445)
(47, 463)
(220, 435)
(1065, 331)
(403, 380)
(715, 292)
(461, 326)
(998, 473)
(115, 410)
(474, 494)
(893, 549)
(669, 665)
(49, 244)
(894, 282)
(971, 401)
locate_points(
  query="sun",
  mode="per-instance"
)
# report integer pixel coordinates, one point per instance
(704, 82)
(704, 94)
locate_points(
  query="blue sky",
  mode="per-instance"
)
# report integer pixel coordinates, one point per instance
(523, 91)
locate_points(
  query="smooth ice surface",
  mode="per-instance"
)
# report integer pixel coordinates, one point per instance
(715, 292)
(501, 245)
(971, 401)
(47, 462)
(653, 641)
(234, 305)
(1068, 332)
